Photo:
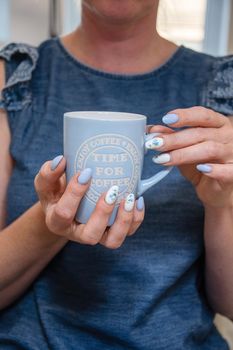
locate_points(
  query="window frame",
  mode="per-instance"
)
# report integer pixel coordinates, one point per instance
(219, 15)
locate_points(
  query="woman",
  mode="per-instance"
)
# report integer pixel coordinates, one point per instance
(59, 288)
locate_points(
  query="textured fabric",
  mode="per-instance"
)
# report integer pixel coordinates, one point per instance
(22, 59)
(149, 294)
(219, 92)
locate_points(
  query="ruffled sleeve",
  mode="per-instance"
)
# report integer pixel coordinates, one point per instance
(20, 61)
(218, 94)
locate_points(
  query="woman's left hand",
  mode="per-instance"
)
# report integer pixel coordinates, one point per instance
(203, 151)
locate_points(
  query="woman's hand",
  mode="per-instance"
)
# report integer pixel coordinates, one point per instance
(60, 203)
(203, 151)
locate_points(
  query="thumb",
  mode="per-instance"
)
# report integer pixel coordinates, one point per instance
(48, 178)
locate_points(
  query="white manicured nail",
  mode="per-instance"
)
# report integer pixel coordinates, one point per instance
(162, 158)
(156, 142)
(129, 202)
(111, 195)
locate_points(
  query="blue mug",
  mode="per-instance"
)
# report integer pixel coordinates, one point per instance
(112, 144)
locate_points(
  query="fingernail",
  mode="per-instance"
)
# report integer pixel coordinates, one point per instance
(156, 142)
(129, 202)
(55, 162)
(204, 168)
(85, 176)
(111, 195)
(162, 158)
(140, 203)
(170, 118)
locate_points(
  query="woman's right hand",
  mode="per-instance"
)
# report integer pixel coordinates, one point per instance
(60, 202)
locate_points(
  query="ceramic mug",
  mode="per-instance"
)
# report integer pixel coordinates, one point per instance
(112, 144)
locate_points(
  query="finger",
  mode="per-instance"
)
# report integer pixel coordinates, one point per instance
(61, 215)
(160, 129)
(139, 213)
(49, 175)
(184, 138)
(221, 172)
(208, 151)
(98, 221)
(118, 231)
(195, 116)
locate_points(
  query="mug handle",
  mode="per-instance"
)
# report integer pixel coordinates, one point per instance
(144, 185)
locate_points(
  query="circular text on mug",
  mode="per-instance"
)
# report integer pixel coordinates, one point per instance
(114, 159)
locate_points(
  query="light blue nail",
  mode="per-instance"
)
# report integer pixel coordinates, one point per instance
(170, 118)
(85, 176)
(55, 162)
(140, 203)
(204, 168)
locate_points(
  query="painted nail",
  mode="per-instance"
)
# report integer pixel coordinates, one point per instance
(129, 202)
(204, 168)
(111, 195)
(156, 142)
(170, 118)
(55, 162)
(140, 203)
(85, 176)
(162, 158)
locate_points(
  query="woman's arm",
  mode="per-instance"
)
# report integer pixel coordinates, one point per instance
(26, 246)
(219, 259)
(204, 153)
(5, 159)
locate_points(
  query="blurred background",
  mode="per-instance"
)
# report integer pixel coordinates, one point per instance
(203, 25)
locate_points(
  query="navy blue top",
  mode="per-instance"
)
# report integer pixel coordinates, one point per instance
(149, 294)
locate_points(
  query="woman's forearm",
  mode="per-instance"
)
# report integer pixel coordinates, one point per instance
(26, 247)
(219, 259)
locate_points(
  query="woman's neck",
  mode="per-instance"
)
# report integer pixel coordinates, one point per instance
(124, 48)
